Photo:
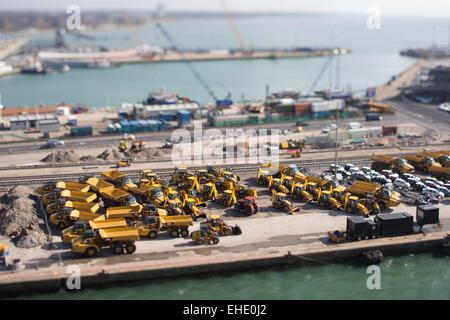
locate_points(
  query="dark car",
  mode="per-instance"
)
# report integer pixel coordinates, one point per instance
(302, 123)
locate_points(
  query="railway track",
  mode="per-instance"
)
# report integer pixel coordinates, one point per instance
(240, 168)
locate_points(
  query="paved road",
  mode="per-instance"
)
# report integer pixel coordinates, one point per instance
(104, 141)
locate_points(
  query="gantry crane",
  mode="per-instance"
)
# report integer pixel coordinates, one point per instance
(220, 103)
(235, 29)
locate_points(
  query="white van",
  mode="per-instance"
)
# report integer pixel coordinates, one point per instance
(354, 125)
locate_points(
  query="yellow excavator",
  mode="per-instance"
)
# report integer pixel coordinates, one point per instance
(227, 198)
(208, 192)
(353, 205)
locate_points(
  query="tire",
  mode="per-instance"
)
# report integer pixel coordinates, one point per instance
(174, 233)
(130, 248)
(118, 249)
(62, 225)
(215, 240)
(184, 232)
(236, 208)
(91, 252)
(227, 232)
(200, 241)
(425, 169)
(286, 209)
(152, 234)
(249, 212)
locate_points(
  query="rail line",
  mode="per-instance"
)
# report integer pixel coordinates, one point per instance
(40, 179)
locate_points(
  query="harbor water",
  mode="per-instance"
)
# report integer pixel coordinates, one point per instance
(374, 59)
(423, 276)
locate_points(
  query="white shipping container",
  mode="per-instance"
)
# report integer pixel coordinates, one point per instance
(63, 111)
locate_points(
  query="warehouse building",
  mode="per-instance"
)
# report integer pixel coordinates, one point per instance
(37, 122)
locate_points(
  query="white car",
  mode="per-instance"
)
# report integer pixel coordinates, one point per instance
(444, 106)
(56, 142)
(400, 183)
(434, 192)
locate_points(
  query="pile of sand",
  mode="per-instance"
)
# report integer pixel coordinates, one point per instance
(150, 153)
(88, 158)
(110, 154)
(62, 156)
(19, 218)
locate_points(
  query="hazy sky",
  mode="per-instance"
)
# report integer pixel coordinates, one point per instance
(391, 7)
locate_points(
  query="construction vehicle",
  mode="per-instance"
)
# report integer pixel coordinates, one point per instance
(422, 163)
(280, 201)
(353, 205)
(263, 176)
(440, 173)
(129, 143)
(326, 199)
(296, 154)
(126, 184)
(208, 191)
(117, 196)
(336, 236)
(49, 186)
(62, 203)
(292, 144)
(277, 185)
(99, 185)
(230, 179)
(68, 195)
(384, 196)
(440, 157)
(247, 205)
(151, 226)
(191, 208)
(202, 176)
(113, 176)
(4, 252)
(376, 107)
(123, 212)
(67, 216)
(149, 209)
(148, 176)
(191, 183)
(91, 242)
(290, 170)
(398, 165)
(220, 227)
(227, 198)
(206, 234)
(173, 208)
(79, 227)
(298, 192)
(179, 176)
(124, 163)
(173, 195)
(243, 191)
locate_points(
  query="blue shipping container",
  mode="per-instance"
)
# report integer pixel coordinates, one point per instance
(373, 117)
(80, 131)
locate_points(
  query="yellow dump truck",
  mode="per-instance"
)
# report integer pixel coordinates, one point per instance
(68, 195)
(398, 165)
(114, 176)
(99, 185)
(442, 157)
(117, 196)
(48, 187)
(175, 225)
(79, 227)
(62, 203)
(118, 239)
(67, 216)
(385, 197)
(422, 163)
(128, 212)
(440, 173)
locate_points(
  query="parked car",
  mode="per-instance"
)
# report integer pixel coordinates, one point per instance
(413, 181)
(420, 186)
(366, 170)
(393, 176)
(386, 172)
(353, 170)
(444, 190)
(361, 176)
(434, 180)
(431, 184)
(434, 192)
(381, 180)
(52, 143)
(400, 183)
(347, 166)
(406, 176)
(302, 124)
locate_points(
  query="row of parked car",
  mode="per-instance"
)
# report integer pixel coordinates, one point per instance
(428, 186)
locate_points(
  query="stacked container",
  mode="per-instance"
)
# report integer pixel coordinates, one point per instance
(183, 118)
(302, 108)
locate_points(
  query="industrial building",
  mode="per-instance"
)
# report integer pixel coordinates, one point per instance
(37, 122)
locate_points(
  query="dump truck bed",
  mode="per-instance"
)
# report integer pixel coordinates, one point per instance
(381, 158)
(113, 175)
(83, 215)
(115, 194)
(99, 185)
(121, 233)
(82, 187)
(362, 187)
(109, 223)
(123, 212)
(78, 196)
(83, 206)
(176, 221)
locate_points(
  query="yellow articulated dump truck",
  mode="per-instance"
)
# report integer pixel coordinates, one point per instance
(175, 225)
(398, 165)
(118, 196)
(443, 157)
(422, 163)
(383, 196)
(440, 173)
(67, 216)
(124, 212)
(114, 176)
(49, 186)
(99, 185)
(62, 203)
(119, 240)
(79, 227)
(68, 195)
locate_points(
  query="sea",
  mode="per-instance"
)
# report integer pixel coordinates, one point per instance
(373, 60)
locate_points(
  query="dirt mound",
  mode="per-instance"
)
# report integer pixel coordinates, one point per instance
(19, 217)
(151, 153)
(110, 154)
(88, 158)
(62, 156)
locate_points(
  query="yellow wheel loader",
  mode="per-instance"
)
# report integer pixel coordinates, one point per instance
(280, 201)
(206, 234)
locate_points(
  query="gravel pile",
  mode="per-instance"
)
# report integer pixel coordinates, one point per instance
(19, 218)
(62, 156)
(110, 154)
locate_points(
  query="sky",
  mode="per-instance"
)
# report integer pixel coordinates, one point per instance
(388, 7)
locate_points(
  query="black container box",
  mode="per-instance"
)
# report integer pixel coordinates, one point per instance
(357, 227)
(394, 224)
(427, 214)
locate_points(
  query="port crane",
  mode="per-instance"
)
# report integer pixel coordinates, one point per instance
(235, 29)
(219, 103)
(316, 80)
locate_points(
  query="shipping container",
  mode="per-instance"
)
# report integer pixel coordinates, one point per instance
(427, 214)
(357, 228)
(394, 224)
(125, 126)
(111, 128)
(289, 108)
(320, 115)
(389, 130)
(302, 108)
(80, 131)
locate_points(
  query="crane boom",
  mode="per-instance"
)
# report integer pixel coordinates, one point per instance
(233, 25)
(324, 68)
(133, 30)
(226, 101)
